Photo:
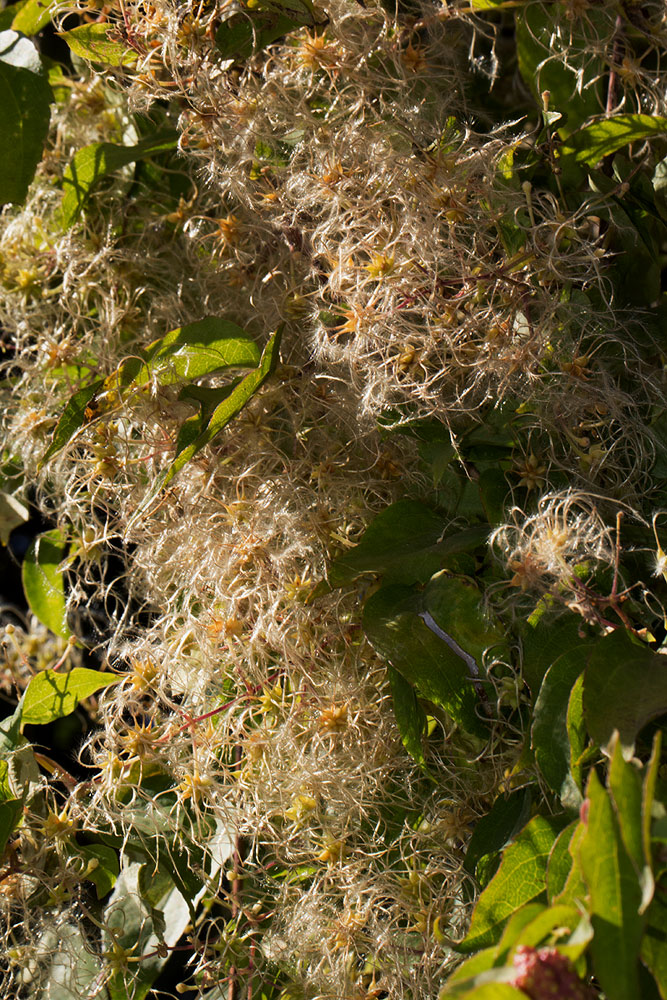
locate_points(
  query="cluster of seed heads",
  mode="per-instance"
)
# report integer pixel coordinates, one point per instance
(337, 182)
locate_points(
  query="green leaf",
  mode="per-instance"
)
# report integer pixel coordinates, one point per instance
(43, 581)
(532, 925)
(648, 793)
(200, 430)
(493, 492)
(507, 816)
(33, 16)
(98, 43)
(577, 734)
(187, 352)
(496, 4)
(560, 862)
(68, 966)
(625, 686)
(131, 924)
(10, 735)
(11, 811)
(25, 98)
(539, 930)
(405, 544)
(543, 67)
(520, 879)
(100, 866)
(72, 418)
(395, 630)
(20, 775)
(615, 898)
(12, 513)
(153, 884)
(544, 642)
(574, 891)
(238, 37)
(466, 974)
(6, 791)
(7, 14)
(654, 942)
(549, 734)
(247, 32)
(90, 164)
(51, 695)
(625, 789)
(490, 991)
(591, 144)
(456, 607)
(209, 345)
(410, 716)
(516, 926)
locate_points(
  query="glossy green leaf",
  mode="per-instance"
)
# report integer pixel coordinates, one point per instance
(21, 776)
(591, 144)
(577, 734)
(544, 642)
(395, 630)
(25, 99)
(560, 862)
(549, 734)
(51, 695)
(7, 14)
(249, 31)
(209, 345)
(199, 430)
(90, 164)
(648, 793)
(6, 791)
(12, 513)
(520, 879)
(464, 976)
(100, 866)
(33, 16)
(10, 735)
(227, 409)
(495, 4)
(410, 716)
(491, 991)
(544, 69)
(654, 942)
(11, 811)
(615, 897)
(128, 924)
(69, 967)
(493, 492)
(153, 883)
(188, 352)
(533, 925)
(574, 890)
(456, 607)
(404, 544)
(539, 930)
(72, 418)
(43, 581)
(239, 37)
(626, 790)
(507, 816)
(516, 925)
(625, 686)
(152, 842)
(99, 43)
